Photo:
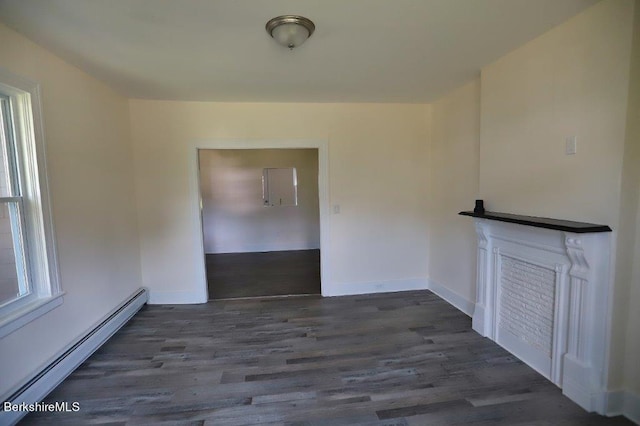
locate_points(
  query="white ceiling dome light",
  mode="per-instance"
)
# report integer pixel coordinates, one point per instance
(290, 30)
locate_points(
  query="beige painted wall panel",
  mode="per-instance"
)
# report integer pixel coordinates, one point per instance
(632, 355)
(628, 266)
(234, 218)
(454, 167)
(378, 174)
(571, 81)
(86, 130)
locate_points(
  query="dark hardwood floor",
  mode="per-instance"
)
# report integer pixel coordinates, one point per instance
(388, 359)
(274, 273)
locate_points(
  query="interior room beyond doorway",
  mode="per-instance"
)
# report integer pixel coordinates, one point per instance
(260, 221)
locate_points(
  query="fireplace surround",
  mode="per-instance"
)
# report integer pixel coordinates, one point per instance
(543, 292)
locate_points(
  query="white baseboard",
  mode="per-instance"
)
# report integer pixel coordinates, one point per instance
(632, 407)
(576, 384)
(370, 287)
(623, 403)
(176, 297)
(614, 402)
(452, 297)
(63, 364)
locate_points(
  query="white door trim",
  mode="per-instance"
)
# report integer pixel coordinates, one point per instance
(322, 145)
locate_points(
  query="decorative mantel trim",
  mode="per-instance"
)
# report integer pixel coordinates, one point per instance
(541, 222)
(543, 295)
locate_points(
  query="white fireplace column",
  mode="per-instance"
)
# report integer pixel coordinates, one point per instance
(543, 294)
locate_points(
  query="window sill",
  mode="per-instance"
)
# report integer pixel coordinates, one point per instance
(28, 313)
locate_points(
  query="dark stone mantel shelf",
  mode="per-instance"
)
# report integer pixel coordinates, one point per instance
(541, 222)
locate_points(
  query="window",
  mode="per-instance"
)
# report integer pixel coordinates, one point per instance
(28, 269)
(280, 187)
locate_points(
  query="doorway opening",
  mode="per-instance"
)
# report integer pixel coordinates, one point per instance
(260, 212)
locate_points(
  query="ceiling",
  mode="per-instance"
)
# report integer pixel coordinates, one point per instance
(218, 50)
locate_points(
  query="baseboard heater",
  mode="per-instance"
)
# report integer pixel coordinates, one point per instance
(42, 383)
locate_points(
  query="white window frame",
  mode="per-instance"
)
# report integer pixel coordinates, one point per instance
(39, 243)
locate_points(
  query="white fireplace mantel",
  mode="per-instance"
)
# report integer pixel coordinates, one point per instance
(543, 294)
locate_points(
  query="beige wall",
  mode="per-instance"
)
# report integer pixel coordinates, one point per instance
(628, 269)
(632, 355)
(89, 159)
(377, 173)
(454, 167)
(234, 218)
(571, 81)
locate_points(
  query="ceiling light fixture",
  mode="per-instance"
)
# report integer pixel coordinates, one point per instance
(290, 30)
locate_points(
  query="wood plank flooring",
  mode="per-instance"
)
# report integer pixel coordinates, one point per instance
(274, 273)
(389, 359)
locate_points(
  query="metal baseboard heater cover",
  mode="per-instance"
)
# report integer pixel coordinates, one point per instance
(62, 365)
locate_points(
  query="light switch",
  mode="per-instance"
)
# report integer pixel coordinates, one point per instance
(336, 209)
(570, 145)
